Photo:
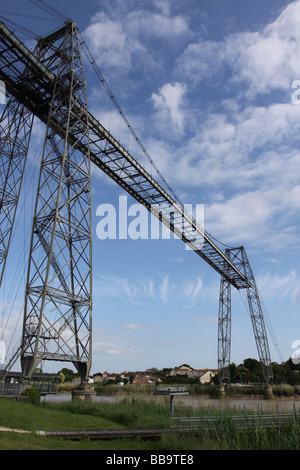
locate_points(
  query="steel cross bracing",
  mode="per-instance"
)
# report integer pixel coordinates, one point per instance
(58, 303)
(224, 331)
(15, 131)
(51, 94)
(57, 319)
(239, 257)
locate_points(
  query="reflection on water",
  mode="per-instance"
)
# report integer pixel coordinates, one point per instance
(60, 397)
(250, 403)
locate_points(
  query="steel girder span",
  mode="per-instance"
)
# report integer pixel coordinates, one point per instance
(49, 84)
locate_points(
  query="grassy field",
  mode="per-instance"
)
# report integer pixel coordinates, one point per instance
(132, 414)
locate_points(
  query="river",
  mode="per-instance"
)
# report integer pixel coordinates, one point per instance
(250, 403)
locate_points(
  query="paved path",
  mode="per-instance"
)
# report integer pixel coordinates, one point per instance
(100, 434)
(21, 431)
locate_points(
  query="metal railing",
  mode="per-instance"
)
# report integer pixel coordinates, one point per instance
(189, 419)
(10, 389)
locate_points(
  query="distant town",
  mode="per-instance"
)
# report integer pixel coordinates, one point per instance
(248, 372)
(149, 377)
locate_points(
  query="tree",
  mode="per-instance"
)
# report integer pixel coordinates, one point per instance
(243, 374)
(69, 374)
(131, 378)
(279, 373)
(255, 369)
(233, 373)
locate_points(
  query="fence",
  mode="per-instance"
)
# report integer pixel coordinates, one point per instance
(191, 419)
(10, 389)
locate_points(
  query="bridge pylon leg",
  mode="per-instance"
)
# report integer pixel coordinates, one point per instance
(15, 131)
(239, 258)
(58, 300)
(224, 334)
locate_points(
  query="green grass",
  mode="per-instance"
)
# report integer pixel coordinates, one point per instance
(128, 414)
(28, 417)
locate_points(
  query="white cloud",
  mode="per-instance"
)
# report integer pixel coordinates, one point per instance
(164, 287)
(124, 290)
(132, 326)
(252, 157)
(201, 60)
(120, 41)
(169, 104)
(192, 290)
(241, 147)
(283, 287)
(112, 345)
(145, 23)
(257, 217)
(264, 60)
(142, 291)
(268, 59)
(110, 43)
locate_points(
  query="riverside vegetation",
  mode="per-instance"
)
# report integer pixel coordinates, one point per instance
(129, 413)
(282, 390)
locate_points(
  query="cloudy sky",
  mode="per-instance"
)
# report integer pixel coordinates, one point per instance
(210, 87)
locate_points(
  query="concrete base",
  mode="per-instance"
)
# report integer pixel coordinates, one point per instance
(268, 392)
(83, 393)
(221, 391)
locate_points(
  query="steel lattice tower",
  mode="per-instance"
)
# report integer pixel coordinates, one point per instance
(224, 331)
(240, 259)
(58, 308)
(15, 131)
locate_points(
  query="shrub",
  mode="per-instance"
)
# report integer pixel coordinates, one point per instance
(33, 395)
(284, 390)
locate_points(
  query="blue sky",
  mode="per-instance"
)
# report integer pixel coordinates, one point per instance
(207, 86)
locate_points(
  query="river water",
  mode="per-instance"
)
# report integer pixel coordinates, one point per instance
(249, 403)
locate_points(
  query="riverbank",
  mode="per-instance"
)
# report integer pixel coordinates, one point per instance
(282, 390)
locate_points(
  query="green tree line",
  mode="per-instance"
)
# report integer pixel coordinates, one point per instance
(250, 371)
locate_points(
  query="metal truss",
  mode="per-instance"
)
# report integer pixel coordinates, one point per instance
(15, 131)
(240, 259)
(58, 310)
(224, 332)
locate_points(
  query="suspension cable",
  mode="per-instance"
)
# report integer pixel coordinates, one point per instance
(49, 9)
(113, 99)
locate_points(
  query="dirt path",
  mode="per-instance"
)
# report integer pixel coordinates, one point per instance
(20, 431)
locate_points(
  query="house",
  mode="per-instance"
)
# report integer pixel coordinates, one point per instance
(142, 380)
(98, 378)
(77, 381)
(181, 370)
(204, 375)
